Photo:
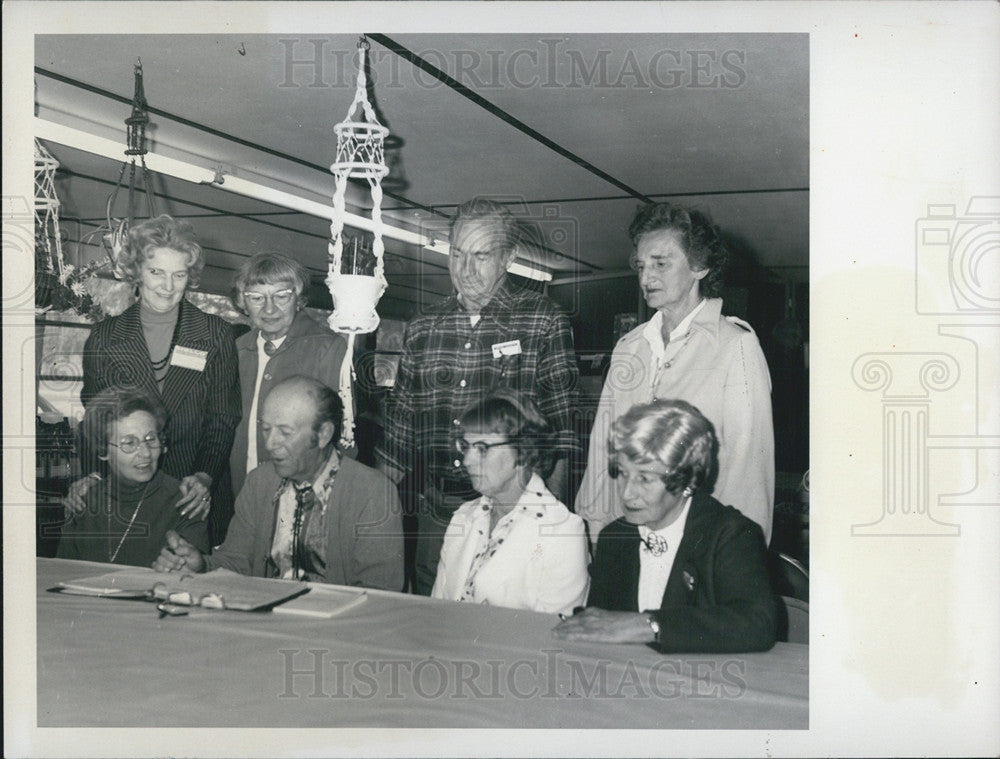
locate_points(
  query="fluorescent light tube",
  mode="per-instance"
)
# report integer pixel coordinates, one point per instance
(80, 140)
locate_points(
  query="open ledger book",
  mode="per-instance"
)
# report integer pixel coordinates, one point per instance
(219, 589)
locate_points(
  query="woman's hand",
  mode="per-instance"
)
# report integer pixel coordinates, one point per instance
(603, 626)
(74, 500)
(194, 502)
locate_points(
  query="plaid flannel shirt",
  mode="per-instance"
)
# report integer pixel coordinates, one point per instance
(448, 365)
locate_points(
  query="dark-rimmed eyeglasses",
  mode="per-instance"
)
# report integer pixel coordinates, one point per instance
(462, 446)
(130, 443)
(280, 299)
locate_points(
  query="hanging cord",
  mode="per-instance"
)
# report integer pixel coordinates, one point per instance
(347, 377)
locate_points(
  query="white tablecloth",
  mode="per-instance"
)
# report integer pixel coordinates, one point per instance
(394, 661)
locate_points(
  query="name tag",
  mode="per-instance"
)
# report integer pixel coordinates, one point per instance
(188, 358)
(510, 348)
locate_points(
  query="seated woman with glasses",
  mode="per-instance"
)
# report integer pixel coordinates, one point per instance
(130, 508)
(679, 569)
(517, 545)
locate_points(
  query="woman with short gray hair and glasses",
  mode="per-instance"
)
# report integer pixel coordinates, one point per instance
(515, 546)
(285, 341)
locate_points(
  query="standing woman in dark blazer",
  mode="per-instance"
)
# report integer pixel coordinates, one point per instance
(181, 356)
(679, 569)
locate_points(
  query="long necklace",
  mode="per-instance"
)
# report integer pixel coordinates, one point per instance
(112, 557)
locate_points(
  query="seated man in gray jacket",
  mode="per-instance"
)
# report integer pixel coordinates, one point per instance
(307, 513)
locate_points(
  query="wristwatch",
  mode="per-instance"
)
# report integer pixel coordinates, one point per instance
(654, 626)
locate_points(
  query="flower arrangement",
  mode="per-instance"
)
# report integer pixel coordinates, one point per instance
(67, 290)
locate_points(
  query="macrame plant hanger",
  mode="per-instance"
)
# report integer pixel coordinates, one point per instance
(116, 230)
(47, 235)
(360, 155)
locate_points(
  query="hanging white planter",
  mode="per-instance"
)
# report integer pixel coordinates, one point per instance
(360, 155)
(354, 297)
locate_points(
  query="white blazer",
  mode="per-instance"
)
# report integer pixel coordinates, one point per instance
(541, 565)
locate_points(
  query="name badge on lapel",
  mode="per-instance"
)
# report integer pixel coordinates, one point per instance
(188, 358)
(509, 348)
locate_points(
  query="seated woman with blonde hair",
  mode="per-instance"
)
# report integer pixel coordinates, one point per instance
(679, 569)
(517, 545)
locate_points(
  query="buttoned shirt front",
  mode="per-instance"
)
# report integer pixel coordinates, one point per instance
(654, 571)
(262, 359)
(521, 341)
(717, 366)
(308, 538)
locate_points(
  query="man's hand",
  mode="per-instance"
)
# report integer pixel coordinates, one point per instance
(178, 555)
(195, 502)
(74, 498)
(603, 626)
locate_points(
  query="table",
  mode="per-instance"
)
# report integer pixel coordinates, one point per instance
(394, 661)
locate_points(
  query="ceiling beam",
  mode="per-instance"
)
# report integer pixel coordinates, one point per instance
(461, 89)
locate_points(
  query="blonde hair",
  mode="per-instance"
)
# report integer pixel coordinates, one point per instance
(162, 232)
(672, 434)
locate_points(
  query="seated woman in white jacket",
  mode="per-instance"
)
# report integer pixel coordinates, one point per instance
(517, 545)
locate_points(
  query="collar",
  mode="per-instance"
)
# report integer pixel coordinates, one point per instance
(261, 340)
(653, 331)
(193, 325)
(674, 531)
(302, 324)
(503, 298)
(324, 476)
(704, 318)
(149, 316)
(130, 492)
(535, 501)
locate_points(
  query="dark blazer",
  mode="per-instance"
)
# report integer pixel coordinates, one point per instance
(718, 597)
(203, 407)
(309, 348)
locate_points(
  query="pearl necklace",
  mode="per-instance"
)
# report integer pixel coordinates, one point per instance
(112, 557)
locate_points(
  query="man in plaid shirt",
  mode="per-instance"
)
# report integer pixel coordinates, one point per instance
(489, 334)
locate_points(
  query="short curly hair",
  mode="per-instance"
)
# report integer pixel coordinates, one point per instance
(701, 239)
(162, 232)
(269, 269)
(672, 434)
(110, 405)
(507, 412)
